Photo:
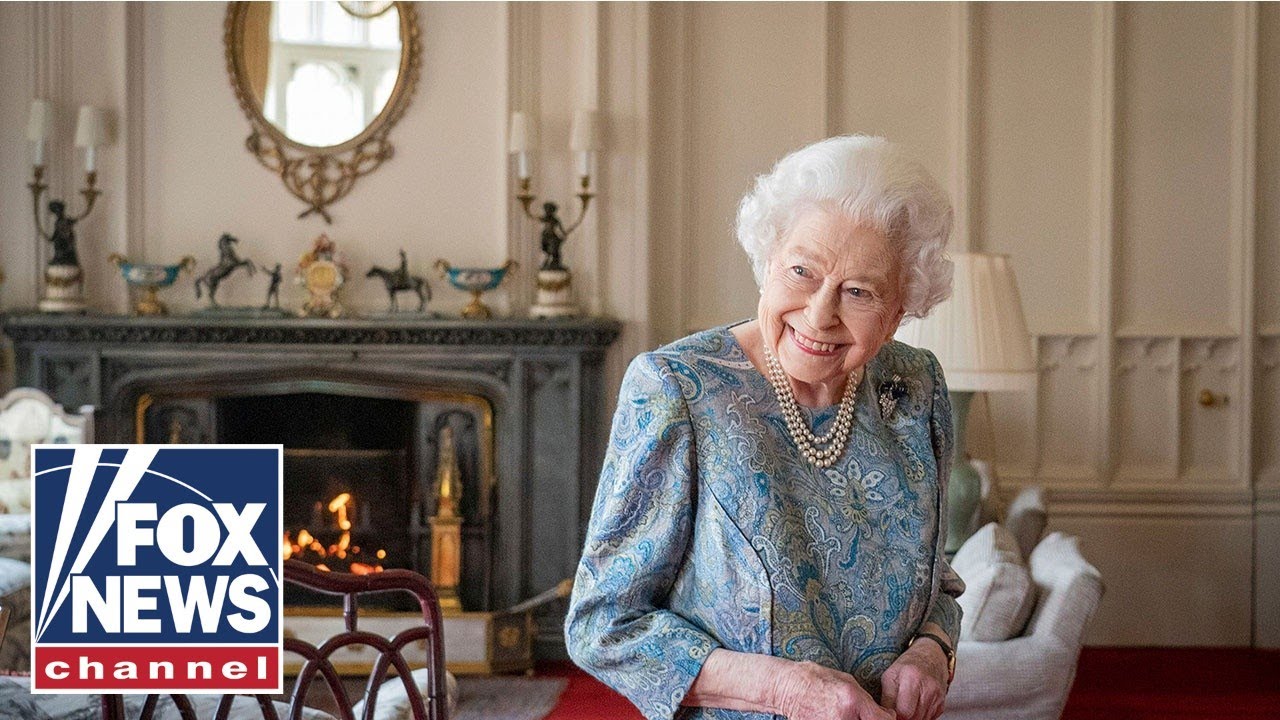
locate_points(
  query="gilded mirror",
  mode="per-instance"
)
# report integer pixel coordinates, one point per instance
(322, 84)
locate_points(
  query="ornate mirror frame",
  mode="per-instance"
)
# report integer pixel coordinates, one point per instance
(320, 176)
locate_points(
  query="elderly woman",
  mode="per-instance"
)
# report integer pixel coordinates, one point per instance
(767, 535)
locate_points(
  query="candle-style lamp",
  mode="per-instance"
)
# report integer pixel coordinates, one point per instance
(63, 278)
(555, 291)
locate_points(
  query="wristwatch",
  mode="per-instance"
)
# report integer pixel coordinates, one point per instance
(946, 650)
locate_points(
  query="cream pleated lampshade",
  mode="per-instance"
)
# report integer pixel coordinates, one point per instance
(979, 334)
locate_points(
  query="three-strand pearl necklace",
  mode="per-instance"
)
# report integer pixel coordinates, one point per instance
(811, 445)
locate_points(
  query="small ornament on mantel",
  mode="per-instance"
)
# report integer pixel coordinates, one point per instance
(322, 271)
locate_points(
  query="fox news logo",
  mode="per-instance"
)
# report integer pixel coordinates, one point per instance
(156, 568)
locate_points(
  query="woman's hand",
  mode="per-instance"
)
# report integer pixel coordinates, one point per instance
(809, 691)
(915, 685)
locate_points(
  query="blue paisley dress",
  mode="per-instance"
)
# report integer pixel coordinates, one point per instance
(710, 529)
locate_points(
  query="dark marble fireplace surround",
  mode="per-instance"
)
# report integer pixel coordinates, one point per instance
(158, 379)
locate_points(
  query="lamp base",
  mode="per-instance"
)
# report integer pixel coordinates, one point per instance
(63, 290)
(964, 491)
(555, 295)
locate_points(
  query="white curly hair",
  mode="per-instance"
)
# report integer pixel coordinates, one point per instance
(873, 183)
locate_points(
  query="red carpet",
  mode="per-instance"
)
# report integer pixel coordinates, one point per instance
(1111, 684)
(1158, 683)
(586, 698)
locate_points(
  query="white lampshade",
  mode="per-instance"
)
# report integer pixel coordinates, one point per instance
(586, 131)
(40, 123)
(92, 128)
(521, 133)
(979, 334)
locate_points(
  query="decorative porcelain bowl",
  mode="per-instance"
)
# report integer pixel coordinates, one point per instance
(151, 278)
(475, 281)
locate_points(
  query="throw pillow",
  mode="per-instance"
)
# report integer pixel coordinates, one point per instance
(999, 594)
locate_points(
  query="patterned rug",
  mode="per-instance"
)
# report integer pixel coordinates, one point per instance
(507, 698)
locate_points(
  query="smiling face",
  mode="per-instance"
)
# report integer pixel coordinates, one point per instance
(831, 298)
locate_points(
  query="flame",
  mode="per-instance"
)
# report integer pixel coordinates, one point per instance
(338, 506)
(307, 543)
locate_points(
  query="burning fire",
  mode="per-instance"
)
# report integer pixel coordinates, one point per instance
(306, 544)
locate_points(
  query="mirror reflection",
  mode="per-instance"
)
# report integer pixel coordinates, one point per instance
(321, 71)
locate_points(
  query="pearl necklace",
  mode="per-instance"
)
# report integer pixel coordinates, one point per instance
(835, 439)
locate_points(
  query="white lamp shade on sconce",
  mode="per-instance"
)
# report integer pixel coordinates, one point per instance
(979, 335)
(40, 123)
(521, 136)
(92, 127)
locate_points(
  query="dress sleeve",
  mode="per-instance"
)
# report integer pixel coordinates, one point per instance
(618, 627)
(946, 611)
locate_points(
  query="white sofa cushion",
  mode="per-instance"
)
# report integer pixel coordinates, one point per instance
(999, 594)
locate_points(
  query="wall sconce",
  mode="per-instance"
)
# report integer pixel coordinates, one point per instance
(63, 279)
(555, 292)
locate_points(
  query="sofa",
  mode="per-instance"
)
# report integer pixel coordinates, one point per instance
(1027, 605)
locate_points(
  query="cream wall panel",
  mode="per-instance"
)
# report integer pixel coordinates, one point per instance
(1171, 578)
(1176, 257)
(1033, 143)
(890, 76)
(1006, 431)
(437, 197)
(756, 92)
(671, 195)
(1147, 410)
(1068, 407)
(17, 86)
(1268, 169)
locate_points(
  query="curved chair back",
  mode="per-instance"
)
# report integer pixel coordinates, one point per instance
(317, 662)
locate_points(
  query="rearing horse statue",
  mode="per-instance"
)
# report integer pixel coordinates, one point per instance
(399, 280)
(228, 261)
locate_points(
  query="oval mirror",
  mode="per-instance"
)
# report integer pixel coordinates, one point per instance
(322, 82)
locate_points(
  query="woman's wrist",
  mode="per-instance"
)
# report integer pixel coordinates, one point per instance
(743, 681)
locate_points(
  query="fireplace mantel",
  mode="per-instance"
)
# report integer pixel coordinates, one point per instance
(542, 378)
(205, 329)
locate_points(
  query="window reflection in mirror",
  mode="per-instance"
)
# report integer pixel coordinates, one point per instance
(326, 69)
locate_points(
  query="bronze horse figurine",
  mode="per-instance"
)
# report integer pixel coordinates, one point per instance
(228, 261)
(399, 280)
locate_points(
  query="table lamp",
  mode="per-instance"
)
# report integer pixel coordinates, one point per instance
(980, 338)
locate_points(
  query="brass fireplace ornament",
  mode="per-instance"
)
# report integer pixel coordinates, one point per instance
(446, 525)
(298, 87)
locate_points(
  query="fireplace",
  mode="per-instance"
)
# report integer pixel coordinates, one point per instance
(362, 474)
(361, 406)
(349, 474)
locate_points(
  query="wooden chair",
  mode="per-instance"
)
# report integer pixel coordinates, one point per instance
(316, 660)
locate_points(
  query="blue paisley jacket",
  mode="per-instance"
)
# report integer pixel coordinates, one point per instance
(711, 530)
